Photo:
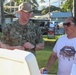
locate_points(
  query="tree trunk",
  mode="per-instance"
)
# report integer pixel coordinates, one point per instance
(74, 8)
(2, 14)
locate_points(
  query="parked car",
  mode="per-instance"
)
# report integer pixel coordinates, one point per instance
(44, 27)
(60, 24)
(43, 23)
(55, 23)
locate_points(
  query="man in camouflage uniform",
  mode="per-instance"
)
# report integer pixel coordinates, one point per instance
(23, 34)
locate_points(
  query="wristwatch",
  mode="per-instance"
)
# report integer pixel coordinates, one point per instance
(33, 48)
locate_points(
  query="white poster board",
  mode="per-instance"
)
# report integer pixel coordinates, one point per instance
(18, 62)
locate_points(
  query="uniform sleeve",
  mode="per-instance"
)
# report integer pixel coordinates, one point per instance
(6, 34)
(39, 34)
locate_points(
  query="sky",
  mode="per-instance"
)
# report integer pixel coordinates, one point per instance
(52, 2)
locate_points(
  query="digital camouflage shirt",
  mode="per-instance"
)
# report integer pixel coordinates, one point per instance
(16, 34)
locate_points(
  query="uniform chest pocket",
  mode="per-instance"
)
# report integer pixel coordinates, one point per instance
(31, 37)
(15, 37)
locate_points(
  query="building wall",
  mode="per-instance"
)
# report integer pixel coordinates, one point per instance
(58, 19)
(59, 16)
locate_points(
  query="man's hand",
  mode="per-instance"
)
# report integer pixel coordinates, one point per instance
(11, 47)
(28, 45)
(39, 46)
(42, 70)
(19, 47)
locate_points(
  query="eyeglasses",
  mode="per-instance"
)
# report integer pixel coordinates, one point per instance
(68, 24)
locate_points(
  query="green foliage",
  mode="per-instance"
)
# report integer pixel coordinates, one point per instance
(52, 8)
(34, 3)
(6, 9)
(43, 12)
(42, 1)
(68, 6)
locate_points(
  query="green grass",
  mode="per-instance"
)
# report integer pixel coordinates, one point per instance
(43, 55)
(42, 58)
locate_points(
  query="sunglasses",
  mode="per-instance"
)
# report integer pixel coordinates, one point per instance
(68, 24)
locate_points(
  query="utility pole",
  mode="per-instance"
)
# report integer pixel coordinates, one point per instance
(74, 8)
(49, 9)
(0, 11)
(2, 17)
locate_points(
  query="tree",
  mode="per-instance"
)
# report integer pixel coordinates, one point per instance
(17, 2)
(42, 1)
(68, 6)
(52, 8)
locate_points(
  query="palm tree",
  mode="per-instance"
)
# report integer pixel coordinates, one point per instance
(42, 1)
